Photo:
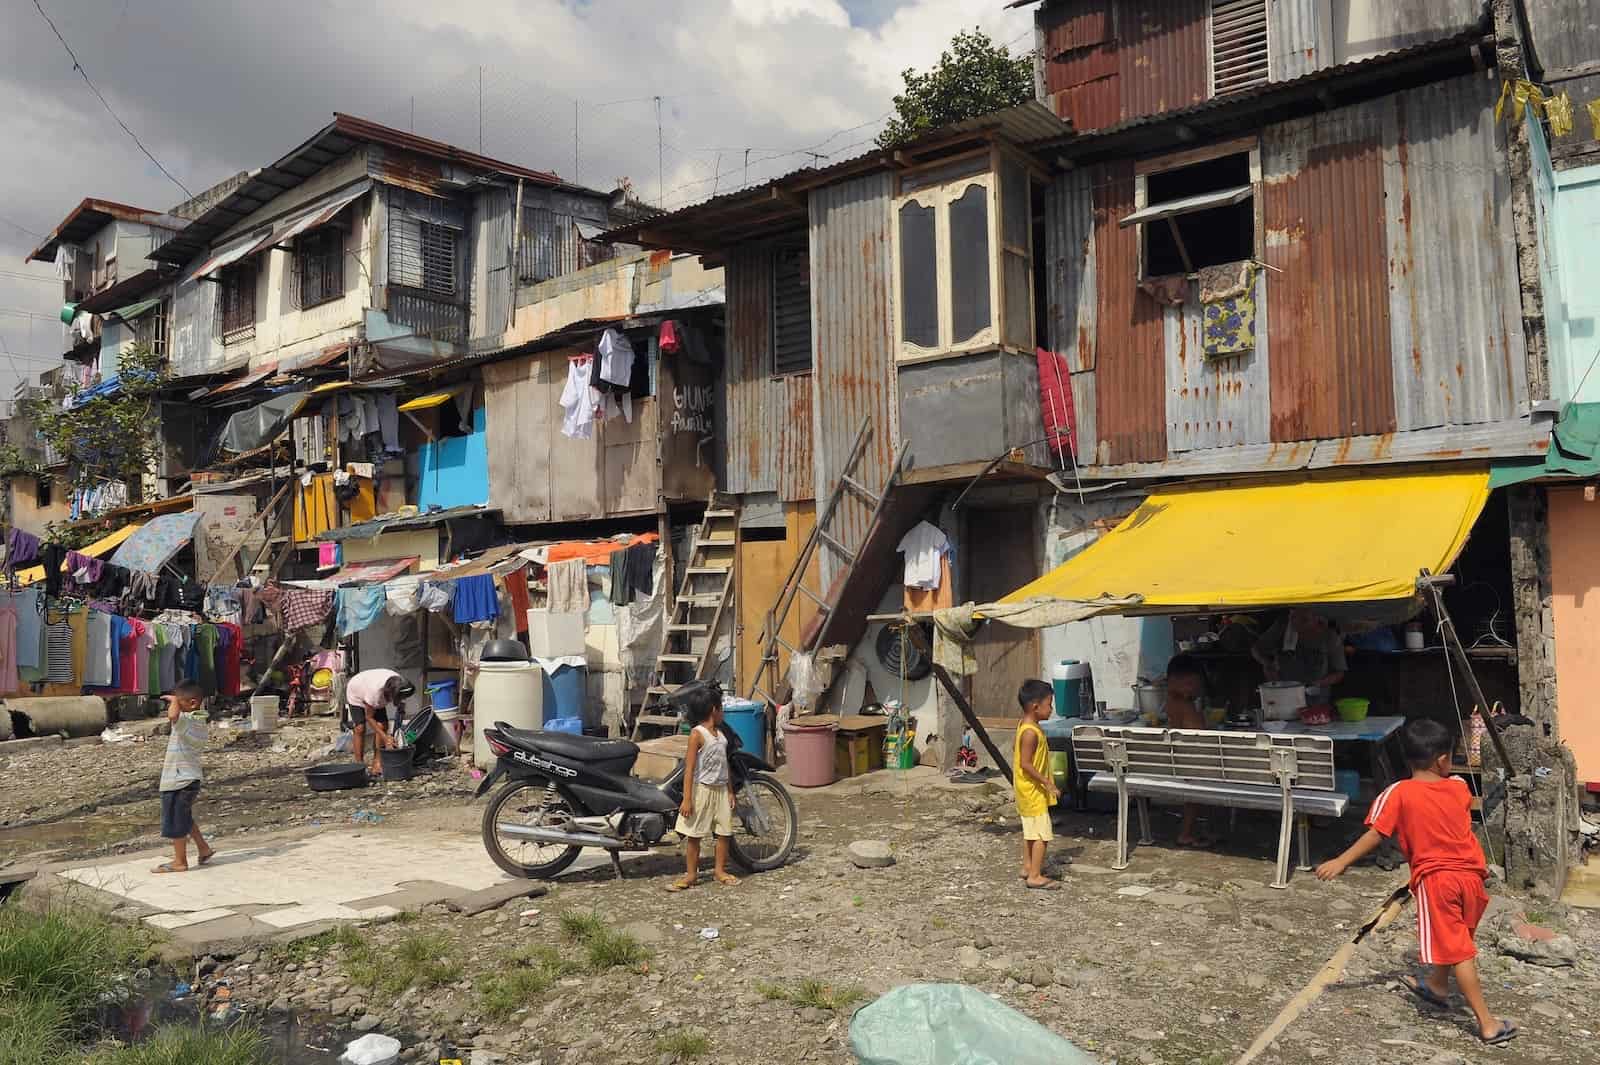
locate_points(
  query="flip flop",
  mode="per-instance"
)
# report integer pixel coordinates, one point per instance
(727, 881)
(1422, 991)
(679, 885)
(1048, 885)
(168, 867)
(204, 858)
(1508, 1031)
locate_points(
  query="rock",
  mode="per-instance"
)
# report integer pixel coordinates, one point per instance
(998, 962)
(870, 854)
(1200, 968)
(1532, 932)
(348, 1004)
(1447, 1057)
(1255, 981)
(367, 1023)
(249, 957)
(281, 1004)
(1146, 1035)
(645, 933)
(812, 1015)
(982, 942)
(969, 957)
(1550, 953)
(1546, 1009)
(208, 965)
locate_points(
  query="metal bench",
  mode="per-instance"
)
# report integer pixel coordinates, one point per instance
(1292, 774)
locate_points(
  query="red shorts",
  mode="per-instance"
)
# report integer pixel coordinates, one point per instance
(1449, 906)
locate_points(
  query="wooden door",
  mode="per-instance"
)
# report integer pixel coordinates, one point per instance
(1002, 552)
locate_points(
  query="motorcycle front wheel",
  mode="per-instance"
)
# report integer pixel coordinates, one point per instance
(524, 803)
(766, 824)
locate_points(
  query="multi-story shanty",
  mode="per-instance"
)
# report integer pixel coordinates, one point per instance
(1237, 246)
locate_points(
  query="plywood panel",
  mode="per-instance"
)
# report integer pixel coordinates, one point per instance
(687, 429)
(1575, 603)
(1003, 556)
(763, 566)
(518, 396)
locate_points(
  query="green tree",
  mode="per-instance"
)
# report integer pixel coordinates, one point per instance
(973, 77)
(110, 438)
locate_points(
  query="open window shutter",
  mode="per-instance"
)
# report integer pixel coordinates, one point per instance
(791, 310)
(1238, 45)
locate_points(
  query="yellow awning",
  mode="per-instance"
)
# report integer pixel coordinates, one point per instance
(101, 547)
(331, 386)
(1349, 539)
(431, 400)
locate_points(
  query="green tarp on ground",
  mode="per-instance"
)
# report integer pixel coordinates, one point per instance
(1574, 450)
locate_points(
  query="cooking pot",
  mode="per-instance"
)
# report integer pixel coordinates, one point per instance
(1150, 697)
(1282, 700)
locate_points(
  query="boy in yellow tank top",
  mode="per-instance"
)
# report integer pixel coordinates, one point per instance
(1030, 777)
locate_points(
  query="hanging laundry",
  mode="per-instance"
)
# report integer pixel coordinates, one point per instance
(359, 607)
(51, 556)
(577, 399)
(389, 423)
(59, 652)
(205, 657)
(99, 654)
(400, 595)
(1228, 309)
(923, 546)
(304, 607)
(631, 573)
(21, 547)
(228, 665)
(28, 604)
(616, 358)
(9, 682)
(568, 586)
(223, 603)
(668, 337)
(475, 600)
(328, 556)
(84, 569)
(66, 256)
(517, 589)
(436, 596)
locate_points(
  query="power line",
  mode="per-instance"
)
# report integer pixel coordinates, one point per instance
(22, 228)
(104, 103)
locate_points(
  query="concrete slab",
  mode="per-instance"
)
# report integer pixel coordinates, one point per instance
(294, 885)
(1583, 887)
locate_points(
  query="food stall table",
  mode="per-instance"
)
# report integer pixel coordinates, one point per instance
(1375, 731)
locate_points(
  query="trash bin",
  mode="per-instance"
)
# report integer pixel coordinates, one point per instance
(810, 749)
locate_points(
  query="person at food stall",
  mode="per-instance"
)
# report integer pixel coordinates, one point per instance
(1304, 648)
(1185, 688)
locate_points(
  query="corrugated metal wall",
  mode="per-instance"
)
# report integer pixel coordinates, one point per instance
(1130, 365)
(1455, 326)
(768, 417)
(489, 284)
(1071, 296)
(1297, 34)
(1214, 402)
(852, 336)
(1365, 28)
(1324, 230)
(1162, 60)
(1081, 62)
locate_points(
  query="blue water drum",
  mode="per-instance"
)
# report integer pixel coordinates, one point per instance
(442, 694)
(749, 720)
(565, 693)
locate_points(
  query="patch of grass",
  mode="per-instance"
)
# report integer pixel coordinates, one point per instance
(683, 1044)
(190, 1045)
(609, 949)
(521, 977)
(813, 993)
(582, 925)
(856, 900)
(421, 959)
(939, 923)
(34, 1028)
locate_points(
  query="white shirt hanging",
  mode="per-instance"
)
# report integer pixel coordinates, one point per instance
(616, 358)
(923, 547)
(577, 400)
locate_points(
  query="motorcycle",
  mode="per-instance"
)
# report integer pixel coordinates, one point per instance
(564, 792)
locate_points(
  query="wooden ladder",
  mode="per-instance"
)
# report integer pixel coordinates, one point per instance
(769, 684)
(690, 639)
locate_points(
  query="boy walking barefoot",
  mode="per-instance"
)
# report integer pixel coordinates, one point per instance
(180, 777)
(1036, 793)
(1430, 817)
(707, 807)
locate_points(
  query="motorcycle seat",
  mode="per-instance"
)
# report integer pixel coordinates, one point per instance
(567, 745)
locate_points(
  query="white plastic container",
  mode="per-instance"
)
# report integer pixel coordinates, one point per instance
(264, 713)
(1282, 700)
(554, 635)
(512, 692)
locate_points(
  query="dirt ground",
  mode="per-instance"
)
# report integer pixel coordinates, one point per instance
(1184, 957)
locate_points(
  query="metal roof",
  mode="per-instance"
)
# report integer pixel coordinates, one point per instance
(124, 291)
(328, 144)
(90, 216)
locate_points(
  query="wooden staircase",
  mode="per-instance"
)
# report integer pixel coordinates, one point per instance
(688, 649)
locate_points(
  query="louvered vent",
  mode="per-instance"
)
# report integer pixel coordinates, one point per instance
(1238, 45)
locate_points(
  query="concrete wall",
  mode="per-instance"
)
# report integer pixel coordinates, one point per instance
(1575, 608)
(26, 514)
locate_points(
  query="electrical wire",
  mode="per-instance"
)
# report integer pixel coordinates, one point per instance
(106, 104)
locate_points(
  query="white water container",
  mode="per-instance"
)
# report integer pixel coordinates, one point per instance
(512, 692)
(264, 713)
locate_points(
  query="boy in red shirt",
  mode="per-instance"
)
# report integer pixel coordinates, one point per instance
(1430, 817)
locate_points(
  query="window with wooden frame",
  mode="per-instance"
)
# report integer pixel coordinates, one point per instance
(1197, 209)
(318, 266)
(151, 329)
(236, 302)
(791, 310)
(964, 258)
(1239, 46)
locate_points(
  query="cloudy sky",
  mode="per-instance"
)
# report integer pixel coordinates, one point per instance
(747, 88)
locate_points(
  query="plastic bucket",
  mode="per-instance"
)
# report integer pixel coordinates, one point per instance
(264, 713)
(565, 693)
(749, 720)
(398, 764)
(810, 750)
(442, 693)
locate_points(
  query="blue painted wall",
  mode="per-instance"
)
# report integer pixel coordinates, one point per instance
(455, 470)
(1578, 268)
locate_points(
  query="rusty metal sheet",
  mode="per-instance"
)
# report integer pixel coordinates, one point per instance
(768, 417)
(1092, 105)
(1070, 297)
(489, 262)
(1068, 26)
(1130, 361)
(1162, 56)
(1329, 301)
(853, 341)
(407, 170)
(1214, 402)
(1296, 38)
(1455, 327)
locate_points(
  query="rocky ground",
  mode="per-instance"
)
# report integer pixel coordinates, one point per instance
(1182, 958)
